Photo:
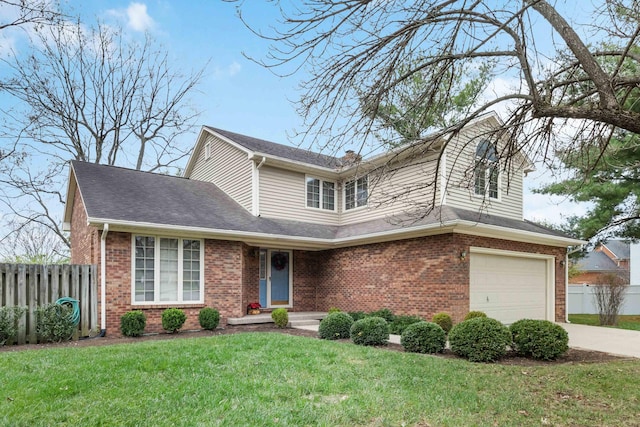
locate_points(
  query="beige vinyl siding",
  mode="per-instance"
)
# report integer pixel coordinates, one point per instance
(460, 182)
(282, 195)
(228, 168)
(405, 190)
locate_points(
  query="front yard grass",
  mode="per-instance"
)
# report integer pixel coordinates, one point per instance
(624, 321)
(277, 379)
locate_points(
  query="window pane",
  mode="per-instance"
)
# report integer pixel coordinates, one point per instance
(313, 193)
(168, 269)
(191, 271)
(143, 288)
(363, 191)
(349, 195)
(493, 183)
(480, 178)
(328, 195)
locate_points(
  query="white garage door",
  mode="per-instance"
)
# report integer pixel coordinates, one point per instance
(508, 288)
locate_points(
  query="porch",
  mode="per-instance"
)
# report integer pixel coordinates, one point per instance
(301, 318)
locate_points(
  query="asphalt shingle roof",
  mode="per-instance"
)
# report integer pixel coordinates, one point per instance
(597, 261)
(280, 150)
(620, 248)
(113, 193)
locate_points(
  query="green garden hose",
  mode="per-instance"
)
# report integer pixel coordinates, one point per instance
(75, 315)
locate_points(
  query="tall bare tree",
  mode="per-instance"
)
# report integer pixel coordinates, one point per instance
(90, 94)
(352, 50)
(19, 13)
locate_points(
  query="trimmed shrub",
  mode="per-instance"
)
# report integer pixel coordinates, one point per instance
(400, 323)
(209, 318)
(357, 315)
(54, 323)
(334, 310)
(335, 326)
(8, 322)
(480, 339)
(539, 339)
(132, 323)
(423, 337)
(474, 314)
(280, 317)
(370, 331)
(385, 313)
(443, 320)
(173, 319)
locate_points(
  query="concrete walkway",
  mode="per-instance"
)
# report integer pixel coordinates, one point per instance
(620, 342)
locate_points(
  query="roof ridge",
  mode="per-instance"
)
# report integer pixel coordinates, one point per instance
(84, 162)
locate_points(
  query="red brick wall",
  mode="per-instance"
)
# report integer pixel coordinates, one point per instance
(85, 240)
(418, 276)
(223, 284)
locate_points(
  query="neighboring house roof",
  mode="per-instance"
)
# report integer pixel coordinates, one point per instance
(597, 261)
(619, 248)
(128, 199)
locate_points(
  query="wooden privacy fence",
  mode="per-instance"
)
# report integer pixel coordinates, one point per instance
(30, 286)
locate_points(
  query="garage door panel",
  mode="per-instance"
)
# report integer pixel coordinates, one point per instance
(508, 288)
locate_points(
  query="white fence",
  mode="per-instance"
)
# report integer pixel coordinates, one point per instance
(581, 300)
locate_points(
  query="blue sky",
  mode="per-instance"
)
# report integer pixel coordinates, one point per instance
(236, 94)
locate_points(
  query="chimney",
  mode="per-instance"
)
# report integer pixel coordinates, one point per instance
(350, 158)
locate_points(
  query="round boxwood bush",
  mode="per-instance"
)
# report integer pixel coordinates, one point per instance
(357, 315)
(443, 320)
(423, 337)
(370, 331)
(401, 322)
(280, 317)
(335, 326)
(132, 323)
(480, 339)
(173, 319)
(209, 318)
(539, 339)
(474, 314)
(385, 313)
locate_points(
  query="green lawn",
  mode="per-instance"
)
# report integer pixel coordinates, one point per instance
(276, 379)
(624, 322)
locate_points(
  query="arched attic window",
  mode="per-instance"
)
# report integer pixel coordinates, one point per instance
(486, 171)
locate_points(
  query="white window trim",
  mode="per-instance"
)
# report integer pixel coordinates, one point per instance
(344, 195)
(156, 268)
(320, 208)
(487, 177)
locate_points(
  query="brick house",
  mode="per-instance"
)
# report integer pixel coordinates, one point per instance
(253, 220)
(608, 259)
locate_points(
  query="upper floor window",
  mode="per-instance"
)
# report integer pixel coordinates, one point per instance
(321, 194)
(167, 270)
(356, 193)
(486, 174)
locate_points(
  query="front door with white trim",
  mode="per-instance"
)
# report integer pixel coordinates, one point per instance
(279, 283)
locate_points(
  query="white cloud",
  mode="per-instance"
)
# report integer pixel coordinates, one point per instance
(138, 18)
(230, 70)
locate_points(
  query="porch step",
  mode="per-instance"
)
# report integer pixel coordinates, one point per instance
(294, 318)
(306, 322)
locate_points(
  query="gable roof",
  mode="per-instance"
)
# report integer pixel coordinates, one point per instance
(619, 248)
(597, 261)
(128, 199)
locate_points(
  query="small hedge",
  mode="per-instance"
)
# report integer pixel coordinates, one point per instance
(209, 318)
(334, 310)
(539, 339)
(370, 331)
(335, 326)
(474, 314)
(423, 337)
(173, 319)
(357, 315)
(8, 320)
(443, 320)
(132, 323)
(280, 317)
(480, 339)
(54, 323)
(400, 323)
(385, 313)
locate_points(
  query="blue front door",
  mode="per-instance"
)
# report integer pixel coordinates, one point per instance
(279, 291)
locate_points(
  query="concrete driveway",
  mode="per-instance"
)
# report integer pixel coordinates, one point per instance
(620, 342)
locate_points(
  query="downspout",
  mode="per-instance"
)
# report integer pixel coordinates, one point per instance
(264, 159)
(103, 280)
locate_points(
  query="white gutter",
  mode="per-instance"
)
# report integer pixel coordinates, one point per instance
(103, 280)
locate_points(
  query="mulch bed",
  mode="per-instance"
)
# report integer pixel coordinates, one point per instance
(572, 356)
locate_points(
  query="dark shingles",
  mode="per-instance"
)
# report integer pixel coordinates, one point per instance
(620, 248)
(117, 194)
(280, 150)
(597, 261)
